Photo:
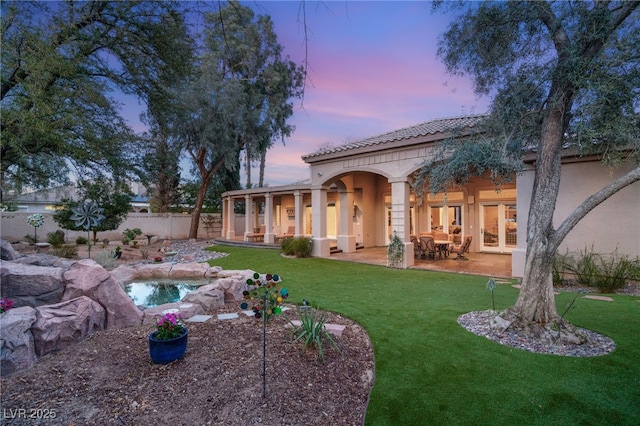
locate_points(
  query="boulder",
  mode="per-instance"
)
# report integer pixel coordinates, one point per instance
(124, 273)
(28, 285)
(209, 297)
(186, 310)
(152, 271)
(188, 271)
(233, 287)
(17, 347)
(46, 260)
(7, 252)
(63, 324)
(213, 272)
(87, 278)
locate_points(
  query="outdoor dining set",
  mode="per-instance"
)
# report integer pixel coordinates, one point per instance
(438, 245)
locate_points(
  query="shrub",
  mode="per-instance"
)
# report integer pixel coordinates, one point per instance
(395, 252)
(81, 241)
(105, 259)
(31, 239)
(561, 263)
(607, 273)
(56, 239)
(297, 246)
(311, 331)
(66, 251)
(130, 235)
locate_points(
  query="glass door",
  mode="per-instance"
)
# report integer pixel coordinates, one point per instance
(498, 227)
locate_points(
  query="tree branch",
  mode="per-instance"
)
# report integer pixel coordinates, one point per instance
(592, 202)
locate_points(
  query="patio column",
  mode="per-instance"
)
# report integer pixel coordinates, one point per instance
(400, 206)
(231, 219)
(321, 244)
(346, 238)
(248, 214)
(269, 236)
(299, 212)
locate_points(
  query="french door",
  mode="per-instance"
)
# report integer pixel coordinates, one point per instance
(499, 226)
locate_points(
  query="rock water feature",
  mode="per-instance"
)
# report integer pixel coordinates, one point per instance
(58, 302)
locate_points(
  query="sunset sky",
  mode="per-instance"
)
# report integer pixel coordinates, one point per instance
(372, 69)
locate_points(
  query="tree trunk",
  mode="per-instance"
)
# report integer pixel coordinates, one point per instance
(197, 209)
(536, 302)
(263, 161)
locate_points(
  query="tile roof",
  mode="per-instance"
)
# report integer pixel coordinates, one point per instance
(440, 125)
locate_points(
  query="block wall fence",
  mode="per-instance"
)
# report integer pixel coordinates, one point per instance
(14, 226)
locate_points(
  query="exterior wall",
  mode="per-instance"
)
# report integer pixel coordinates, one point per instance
(612, 225)
(14, 227)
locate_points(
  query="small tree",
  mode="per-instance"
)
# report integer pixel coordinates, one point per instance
(116, 196)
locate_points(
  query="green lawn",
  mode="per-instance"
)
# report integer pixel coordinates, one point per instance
(429, 370)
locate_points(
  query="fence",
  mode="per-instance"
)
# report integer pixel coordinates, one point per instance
(14, 226)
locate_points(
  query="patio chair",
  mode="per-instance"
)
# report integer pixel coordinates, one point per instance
(417, 253)
(428, 247)
(461, 250)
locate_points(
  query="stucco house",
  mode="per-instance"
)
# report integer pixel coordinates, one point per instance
(360, 194)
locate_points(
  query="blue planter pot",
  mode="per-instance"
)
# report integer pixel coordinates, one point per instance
(166, 351)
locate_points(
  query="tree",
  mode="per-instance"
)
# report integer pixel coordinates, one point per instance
(562, 74)
(239, 97)
(113, 197)
(60, 63)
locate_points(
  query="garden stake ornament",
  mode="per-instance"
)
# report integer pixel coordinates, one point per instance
(267, 299)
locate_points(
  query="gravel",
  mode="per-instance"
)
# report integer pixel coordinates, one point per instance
(478, 322)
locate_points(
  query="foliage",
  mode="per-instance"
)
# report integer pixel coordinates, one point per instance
(31, 239)
(604, 272)
(297, 246)
(67, 251)
(130, 235)
(105, 259)
(170, 326)
(113, 196)
(239, 97)
(311, 331)
(395, 252)
(80, 240)
(563, 77)
(5, 305)
(61, 61)
(267, 297)
(56, 239)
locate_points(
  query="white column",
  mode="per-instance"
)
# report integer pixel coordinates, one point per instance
(248, 216)
(346, 238)
(400, 206)
(321, 244)
(231, 219)
(269, 236)
(299, 212)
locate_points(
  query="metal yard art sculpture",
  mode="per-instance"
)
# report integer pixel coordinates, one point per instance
(87, 216)
(267, 300)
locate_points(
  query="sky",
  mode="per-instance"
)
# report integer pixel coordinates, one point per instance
(372, 69)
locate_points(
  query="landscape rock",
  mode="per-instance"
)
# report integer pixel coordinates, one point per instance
(17, 347)
(7, 252)
(188, 271)
(63, 324)
(40, 259)
(209, 297)
(186, 310)
(213, 271)
(233, 287)
(499, 323)
(87, 278)
(152, 271)
(28, 285)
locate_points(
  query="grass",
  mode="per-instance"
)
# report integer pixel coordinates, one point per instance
(429, 370)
